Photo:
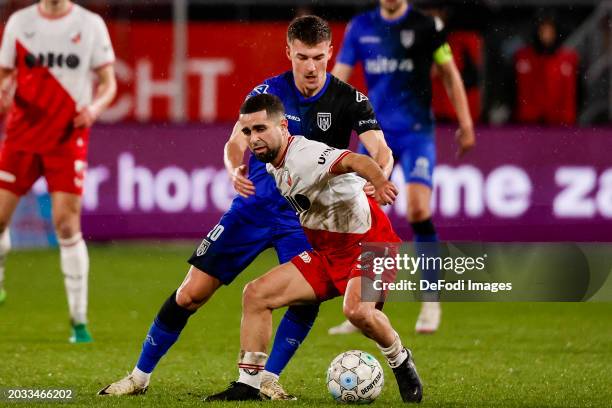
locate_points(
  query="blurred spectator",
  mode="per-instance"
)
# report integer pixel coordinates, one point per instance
(546, 75)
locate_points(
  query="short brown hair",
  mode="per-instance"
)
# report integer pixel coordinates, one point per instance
(311, 30)
(268, 102)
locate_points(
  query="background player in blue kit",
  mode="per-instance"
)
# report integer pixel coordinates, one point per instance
(397, 46)
(319, 107)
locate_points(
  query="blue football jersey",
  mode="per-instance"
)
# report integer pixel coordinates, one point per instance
(397, 57)
(330, 117)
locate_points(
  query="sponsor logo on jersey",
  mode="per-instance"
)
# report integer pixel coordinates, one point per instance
(305, 256)
(293, 117)
(29, 34)
(51, 60)
(368, 122)
(203, 247)
(383, 65)
(323, 156)
(407, 38)
(324, 120)
(360, 97)
(369, 39)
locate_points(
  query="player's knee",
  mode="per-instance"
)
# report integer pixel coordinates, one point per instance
(253, 296)
(65, 227)
(418, 212)
(356, 313)
(190, 299)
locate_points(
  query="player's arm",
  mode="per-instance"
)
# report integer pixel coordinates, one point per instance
(364, 166)
(375, 144)
(342, 71)
(104, 95)
(7, 83)
(451, 78)
(233, 157)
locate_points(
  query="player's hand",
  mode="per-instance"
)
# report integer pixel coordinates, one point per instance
(465, 139)
(386, 193)
(84, 118)
(369, 189)
(241, 183)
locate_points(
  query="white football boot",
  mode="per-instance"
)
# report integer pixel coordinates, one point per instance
(345, 327)
(429, 318)
(125, 386)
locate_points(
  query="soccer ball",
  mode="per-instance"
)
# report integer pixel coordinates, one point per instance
(355, 377)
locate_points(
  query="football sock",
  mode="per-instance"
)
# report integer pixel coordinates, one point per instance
(250, 367)
(140, 377)
(75, 266)
(425, 243)
(5, 247)
(291, 332)
(395, 354)
(163, 333)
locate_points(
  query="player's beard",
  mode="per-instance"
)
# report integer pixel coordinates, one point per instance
(268, 156)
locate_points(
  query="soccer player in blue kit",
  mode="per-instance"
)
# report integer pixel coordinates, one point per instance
(319, 107)
(397, 46)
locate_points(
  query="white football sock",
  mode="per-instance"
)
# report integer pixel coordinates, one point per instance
(5, 247)
(141, 378)
(250, 366)
(75, 266)
(395, 354)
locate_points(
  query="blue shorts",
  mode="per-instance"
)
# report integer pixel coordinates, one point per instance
(415, 152)
(239, 237)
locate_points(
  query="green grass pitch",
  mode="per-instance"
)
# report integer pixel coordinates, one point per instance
(490, 355)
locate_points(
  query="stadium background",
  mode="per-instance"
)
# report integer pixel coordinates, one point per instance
(156, 175)
(184, 67)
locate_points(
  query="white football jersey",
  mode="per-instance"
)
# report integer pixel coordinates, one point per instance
(323, 200)
(70, 46)
(54, 59)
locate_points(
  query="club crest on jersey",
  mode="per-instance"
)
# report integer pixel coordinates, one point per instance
(407, 38)
(75, 38)
(203, 247)
(324, 120)
(361, 97)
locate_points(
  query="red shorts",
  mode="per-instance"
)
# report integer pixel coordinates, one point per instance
(329, 268)
(63, 168)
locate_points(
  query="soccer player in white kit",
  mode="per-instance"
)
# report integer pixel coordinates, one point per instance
(338, 217)
(47, 56)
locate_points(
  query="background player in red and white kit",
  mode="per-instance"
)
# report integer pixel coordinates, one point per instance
(48, 53)
(337, 216)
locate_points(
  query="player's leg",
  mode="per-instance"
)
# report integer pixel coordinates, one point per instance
(418, 162)
(197, 288)
(8, 203)
(295, 324)
(226, 251)
(283, 285)
(374, 324)
(18, 171)
(74, 259)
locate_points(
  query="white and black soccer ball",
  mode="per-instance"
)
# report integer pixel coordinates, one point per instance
(355, 377)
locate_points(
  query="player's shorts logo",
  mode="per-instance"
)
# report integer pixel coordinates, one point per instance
(407, 38)
(203, 247)
(324, 120)
(305, 256)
